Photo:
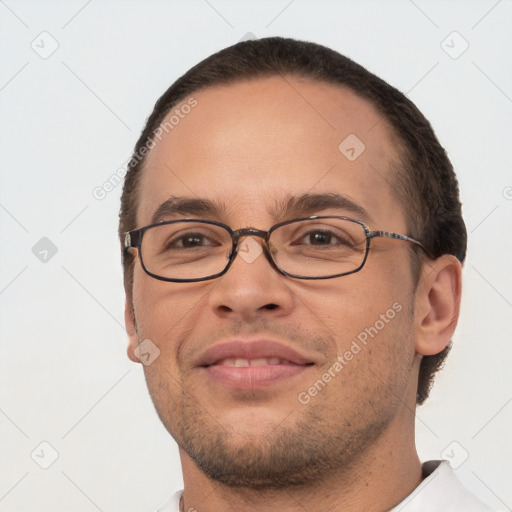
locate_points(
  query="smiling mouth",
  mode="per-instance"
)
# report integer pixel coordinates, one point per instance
(251, 364)
(243, 374)
(262, 361)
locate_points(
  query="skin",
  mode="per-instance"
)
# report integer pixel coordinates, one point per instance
(251, 145)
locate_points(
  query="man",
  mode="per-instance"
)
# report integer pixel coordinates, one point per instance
(293, 241)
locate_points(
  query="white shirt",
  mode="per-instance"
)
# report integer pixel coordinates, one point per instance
(440, 491)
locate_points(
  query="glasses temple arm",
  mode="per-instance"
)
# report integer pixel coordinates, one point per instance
(395, 236)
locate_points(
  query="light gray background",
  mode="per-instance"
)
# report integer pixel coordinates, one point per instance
(69, 121)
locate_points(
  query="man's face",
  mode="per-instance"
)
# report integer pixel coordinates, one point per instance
(252, 147)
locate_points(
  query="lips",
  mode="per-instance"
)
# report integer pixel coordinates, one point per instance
(251, 351)
(243, 363)
(252, 364)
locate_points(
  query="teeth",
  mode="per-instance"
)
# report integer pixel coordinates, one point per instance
(242, 363)
(258, 362)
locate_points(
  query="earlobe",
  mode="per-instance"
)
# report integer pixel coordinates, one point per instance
(437, 304)
(131, 329)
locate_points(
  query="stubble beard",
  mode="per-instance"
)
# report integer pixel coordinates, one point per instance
(297, 452)
(311, 443)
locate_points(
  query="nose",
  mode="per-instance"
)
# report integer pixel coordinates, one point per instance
(252, 288)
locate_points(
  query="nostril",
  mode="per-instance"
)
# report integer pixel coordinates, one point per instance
(271, 306)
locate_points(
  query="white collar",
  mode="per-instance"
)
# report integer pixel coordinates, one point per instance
(440, 491)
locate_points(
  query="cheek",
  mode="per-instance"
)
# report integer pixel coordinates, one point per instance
(373, 357)
(350, 304)
(165, 312)
(369, 317)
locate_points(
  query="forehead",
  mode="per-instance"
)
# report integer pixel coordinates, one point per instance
(252, 145)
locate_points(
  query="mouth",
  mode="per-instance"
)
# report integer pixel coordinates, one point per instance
(247, 365)
(261, 361)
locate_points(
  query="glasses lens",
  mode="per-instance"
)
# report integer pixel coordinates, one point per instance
(319, 247)
(185, 250)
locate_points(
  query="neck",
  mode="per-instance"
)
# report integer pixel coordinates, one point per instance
(381, 477)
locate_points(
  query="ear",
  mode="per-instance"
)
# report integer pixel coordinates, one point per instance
(131, 329)
(437, 304)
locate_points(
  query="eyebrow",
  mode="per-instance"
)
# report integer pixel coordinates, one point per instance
(293, 206)
(309, 204)
(187, 206)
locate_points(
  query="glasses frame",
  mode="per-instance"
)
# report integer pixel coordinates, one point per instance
(133, 240)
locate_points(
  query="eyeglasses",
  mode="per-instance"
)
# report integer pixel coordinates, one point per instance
(319, 247)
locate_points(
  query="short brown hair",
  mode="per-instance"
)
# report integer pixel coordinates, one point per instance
(425, 180)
